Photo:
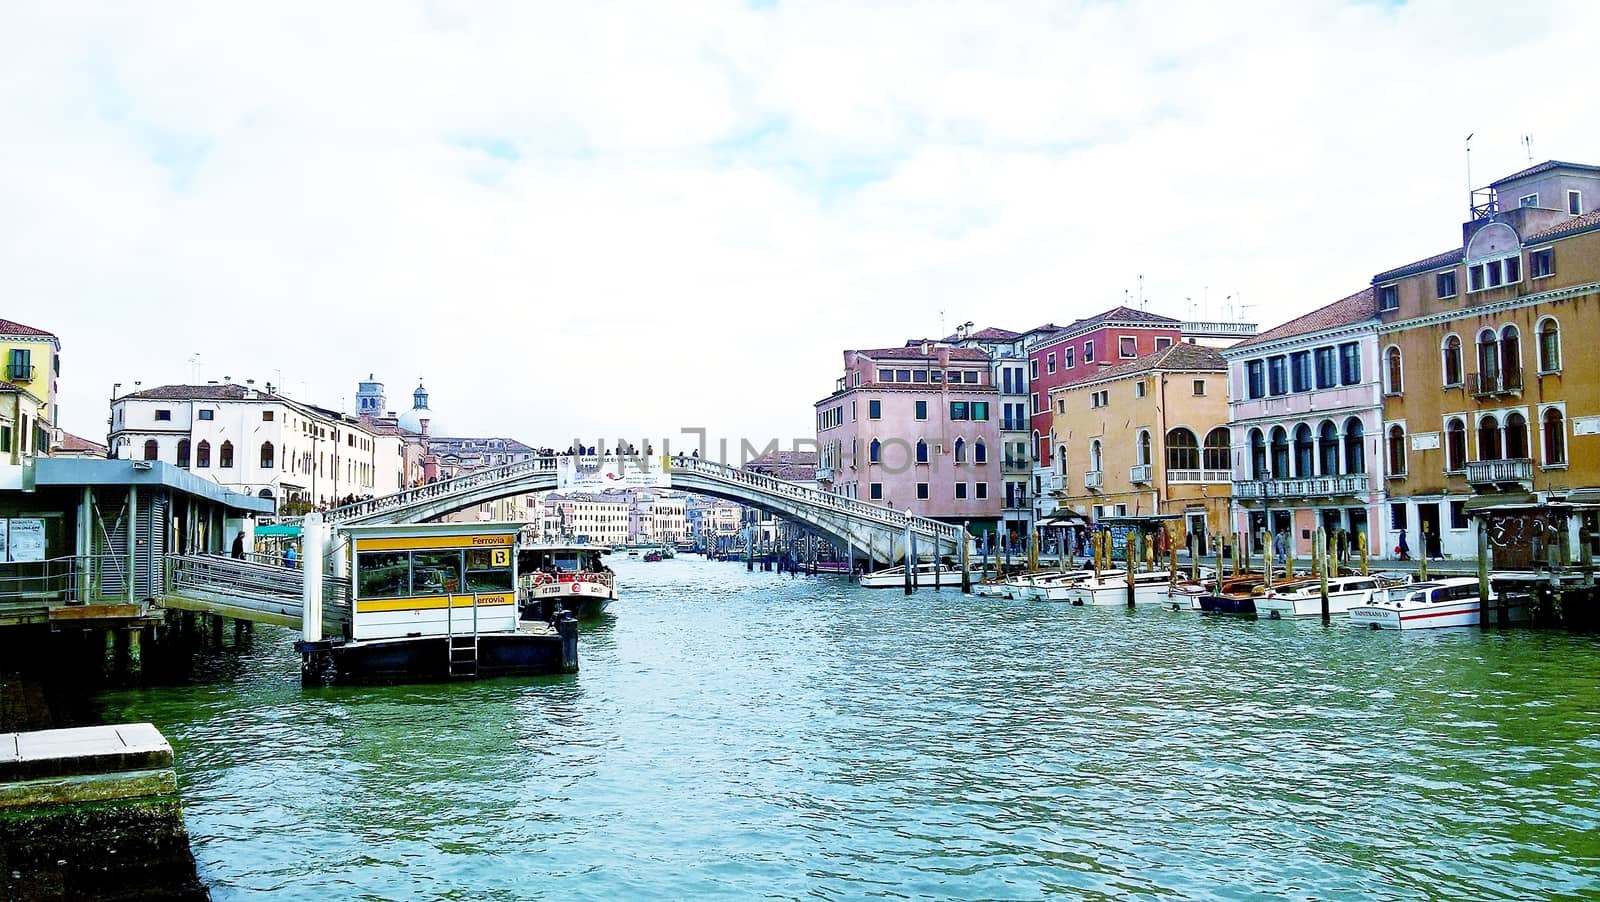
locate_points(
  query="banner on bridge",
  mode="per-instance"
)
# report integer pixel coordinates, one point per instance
(596, 474)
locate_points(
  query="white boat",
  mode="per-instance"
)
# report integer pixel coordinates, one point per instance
(1112, 588)
(569, 576)
(1304, 598)
(991, 588)
(927, 576)
(1057, 587)
(1437, 603)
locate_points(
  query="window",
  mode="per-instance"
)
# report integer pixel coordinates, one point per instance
(874, 410)
(1256, 379)
(266, 416)
(1033, 368)
(961, 450)
(1458, 515)
(982, 490)
(183, 453)
(1541, 263)
(1304, 452)
(1061, 405)
(1516, 436)
(919, 376)
(1061, 459)
(1397, 515)
(980, 453)
(875, 452)
(483, 575)
(1528, 200)
(1300, 370)
(961, 491)
(875, 491)
(1034, 398)
(1455, 445)
(1350, 363)
(1088, 352)
(1452, 361)
(1127, 346)
(1549, 345)
(1388, 297)
(1066, 357)
(922, 451)
(1444, 284)
(1575, 202)
(1183, 450)
(922, 410)
(1397, 450)
(1489, 438)
(1139, 389)
(1141, 448)
(1258, 455)
(958, 410)
(1163, 342)
(435, 572)
(1328, 448)
(885, 375)
(225, 457)
(152, 451)
(1355, 450)
(1217, 450)
(980, 411)
(1277, 375)
(202, 455)
(163, 416)
(1050, 362)
(5, 438)
(208, 414)
(20, 368)
(1488, 358)
(1095, 457)
(1280, 453)
(267, 457)
(922, 491)
(1555, 437)
(1393, 376)
(1474, 278)
(1199, 387)
(1327, 370)
(1511, 356)
(1494, 273)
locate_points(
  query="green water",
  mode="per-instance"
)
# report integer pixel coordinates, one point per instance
(755, 736)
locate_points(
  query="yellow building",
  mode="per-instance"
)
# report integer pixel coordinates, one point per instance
(1489, 397)
(1148, 438)
(32, 361)
(23, 432)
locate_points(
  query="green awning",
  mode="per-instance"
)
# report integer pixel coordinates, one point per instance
(291, 530)
(1501, 500)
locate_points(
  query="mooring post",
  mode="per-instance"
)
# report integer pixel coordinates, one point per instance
(1129, 552)
(1172, 558)
(311, 533)
(1483, 571)
(1422, 556)
(216, 630)
(1322, 570)
(1194, 556)
(135, 650)
(1244, 541)
(1361, 546)
(910, 565)
(1266, 558)
(966, 561)
(1585, 552)
(111, 653)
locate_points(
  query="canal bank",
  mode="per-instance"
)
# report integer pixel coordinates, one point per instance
(739, 733)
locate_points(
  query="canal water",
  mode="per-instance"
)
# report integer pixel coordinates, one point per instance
(745, 735)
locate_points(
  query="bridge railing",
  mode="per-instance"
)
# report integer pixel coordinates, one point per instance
(443, 488)
(258, 587)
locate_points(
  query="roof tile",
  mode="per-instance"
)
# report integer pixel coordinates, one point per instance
(8, 327)
(1357, 307)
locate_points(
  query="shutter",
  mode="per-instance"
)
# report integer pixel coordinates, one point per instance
(150, 566)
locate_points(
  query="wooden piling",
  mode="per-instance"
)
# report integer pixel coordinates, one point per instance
(1266, 557)
(1361, 546)
(1172, 558)
(1422, 556)
(910, 564)
(1129, 551)
(1321, 554)
(966, 561)
(1483, 572)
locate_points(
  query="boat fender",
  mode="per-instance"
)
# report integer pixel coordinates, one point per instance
(1274, 615)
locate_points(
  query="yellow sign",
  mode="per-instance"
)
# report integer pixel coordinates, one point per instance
(420, 543)
(500, 557)
(432, 602)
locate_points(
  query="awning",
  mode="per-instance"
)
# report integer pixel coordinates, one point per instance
(1064, 517)
(292, 530)
(1501, 500)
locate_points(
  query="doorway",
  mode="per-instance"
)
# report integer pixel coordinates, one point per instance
(1428, 522)
(1197, 529)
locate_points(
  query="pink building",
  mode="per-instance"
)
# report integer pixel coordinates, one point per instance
(915, 428)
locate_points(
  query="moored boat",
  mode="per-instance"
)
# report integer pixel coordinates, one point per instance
(1112, 588)
(571, 577)
(927, 575)
(1303, 598)
(1436, 603)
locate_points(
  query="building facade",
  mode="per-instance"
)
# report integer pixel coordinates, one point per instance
(32, 359)
(915, 428)
(1008, 363)
(1306, 413)
(1488, 395)
(1146, 439)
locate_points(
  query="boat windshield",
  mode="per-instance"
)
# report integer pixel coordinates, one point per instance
(560, 560)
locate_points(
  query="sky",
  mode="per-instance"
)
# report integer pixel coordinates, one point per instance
(628, 219)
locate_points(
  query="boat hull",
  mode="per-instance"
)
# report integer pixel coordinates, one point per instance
(1227, 604)
(538, 650)
(1431, 616)
(1283, 608)
(945, 578)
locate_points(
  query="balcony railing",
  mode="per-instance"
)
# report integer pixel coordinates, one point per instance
(1486, 385)
(1139, 473)
(1093, 479)
(1016, 464)
(824, 474)
(1196, 476)
(19, 372)
(1489, 472)
(1014, 425)
(1310, 487)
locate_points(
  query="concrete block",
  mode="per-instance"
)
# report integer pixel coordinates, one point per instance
(86, 750)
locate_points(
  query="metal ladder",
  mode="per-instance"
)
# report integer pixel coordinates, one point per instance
(462, 649)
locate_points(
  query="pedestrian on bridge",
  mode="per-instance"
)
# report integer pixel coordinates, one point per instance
(238, 546)
(288, 557)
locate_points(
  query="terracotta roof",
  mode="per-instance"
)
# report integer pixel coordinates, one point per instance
(1360, 306)
(915, 353)
(1546, 166)
(1181, 356)
(8, 387)
(792, 465)
(223, 391)
(70, 442)
(1423, 265)
(990, 334)
(1589, 220)
(7, 327)
(1114, 315)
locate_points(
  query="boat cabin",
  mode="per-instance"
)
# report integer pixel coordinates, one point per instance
(558, 559)
(432, 580)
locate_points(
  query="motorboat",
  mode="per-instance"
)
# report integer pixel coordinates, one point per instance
(926, 575)
(992, 587)
(1058, 587)
(1303, 598)
(1233, 595)
(1436, 603)
(1111, 588)
(571, 577)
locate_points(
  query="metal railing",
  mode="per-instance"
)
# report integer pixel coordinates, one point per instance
(1139, 473)
(19, 372)
(1093, 479)
(1492, 383)
(260, 588)
(1196, 476)
(1485, 472)
(1309, 487)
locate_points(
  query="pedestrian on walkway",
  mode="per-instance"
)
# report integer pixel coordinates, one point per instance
(289, 557)
(238, 546)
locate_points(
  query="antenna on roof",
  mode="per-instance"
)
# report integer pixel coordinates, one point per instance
(1470, 204)
(1527, 144)
(941, 323)
(1141, 291)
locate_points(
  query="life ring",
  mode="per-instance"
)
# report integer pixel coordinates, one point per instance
(576, 588)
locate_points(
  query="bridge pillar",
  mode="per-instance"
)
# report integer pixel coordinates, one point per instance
(311, 550)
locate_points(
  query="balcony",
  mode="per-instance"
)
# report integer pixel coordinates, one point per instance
(1052, 482)
(19, 372)
(1016, 465)
(1197, 476)
(824, 474)
(1489, 385)
(1139, 474)
(1310, 487)
(1093, 480)
(1014, 425)
(1494, 472)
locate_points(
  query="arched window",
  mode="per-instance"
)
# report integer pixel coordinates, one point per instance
(1141, 450)
(152, 451)
(1094, 456)
(875, 452)
(1488, 360)
(1516, 436)
(1219, 449)
(183, 453)
(1280, 453)
(1392, 370)
(202, 455)
(1489, 439)
(1328, 448)
(1511, 357)
(961, 450)
(1304, 454)
(1258, 455)
(1555, 437)
(1455, 445)
(1355, 449)
(267, 458)
(980, 452)
(225, 457)
(1061, 459)
(1037, 448)
(1452, 360)
(1397, 450)
(1183, 450)
(1549, 345)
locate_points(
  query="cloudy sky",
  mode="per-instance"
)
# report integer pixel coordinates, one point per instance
(596, 218)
